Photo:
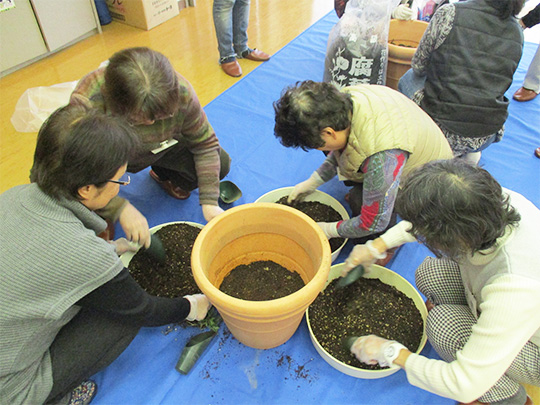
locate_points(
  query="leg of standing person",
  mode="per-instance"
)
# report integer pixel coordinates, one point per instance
(531, 84)
(449, 327)
(240, 37)
(240, 18)
(222, 12)
(84, 346)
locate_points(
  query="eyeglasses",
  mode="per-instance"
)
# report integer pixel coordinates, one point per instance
(126, 180)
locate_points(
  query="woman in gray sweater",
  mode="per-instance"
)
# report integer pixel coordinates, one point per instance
(68, 307)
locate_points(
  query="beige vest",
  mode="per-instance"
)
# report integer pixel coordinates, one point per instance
(385, 119)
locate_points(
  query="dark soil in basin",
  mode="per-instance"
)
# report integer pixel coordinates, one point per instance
(173, 278)
(367, 306)
(319, 212)
(260, 281)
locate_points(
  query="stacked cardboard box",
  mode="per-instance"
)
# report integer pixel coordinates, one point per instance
(145, 14)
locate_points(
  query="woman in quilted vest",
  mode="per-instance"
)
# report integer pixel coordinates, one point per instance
(374, 135)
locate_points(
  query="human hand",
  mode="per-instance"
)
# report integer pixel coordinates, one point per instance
(135, 225)
(366, 255)
(122, 245)
(373, 349)
(329, 229)
(403, 12)
(199, 307)
(211, 211)
(305, 188)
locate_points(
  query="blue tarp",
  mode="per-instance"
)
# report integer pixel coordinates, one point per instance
(293, 373)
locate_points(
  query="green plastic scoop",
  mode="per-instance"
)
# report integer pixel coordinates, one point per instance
(348, 341)
(229, 192)
(351, 277)
(156, 250)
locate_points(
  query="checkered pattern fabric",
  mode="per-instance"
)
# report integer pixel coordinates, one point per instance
(450, 322)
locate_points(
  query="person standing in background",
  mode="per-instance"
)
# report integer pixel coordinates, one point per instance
(531, 84)
(231, 18)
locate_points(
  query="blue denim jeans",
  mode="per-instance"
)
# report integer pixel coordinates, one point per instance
(231, 19)
(410, 83)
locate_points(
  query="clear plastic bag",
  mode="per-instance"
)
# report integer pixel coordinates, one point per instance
(37, 103)
(357, 50)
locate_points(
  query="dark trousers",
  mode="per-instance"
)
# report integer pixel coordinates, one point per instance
(177, 165)
(184, 175)
(84, 346)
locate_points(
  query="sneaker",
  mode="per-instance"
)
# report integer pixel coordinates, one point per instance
(83, 394)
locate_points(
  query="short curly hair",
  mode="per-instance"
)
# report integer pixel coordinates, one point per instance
(308, 107)
(456, 209)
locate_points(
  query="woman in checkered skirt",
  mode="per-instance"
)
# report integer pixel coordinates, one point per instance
(482, 288)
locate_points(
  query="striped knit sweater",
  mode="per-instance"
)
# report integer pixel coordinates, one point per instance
(50, 259)
(189, 126)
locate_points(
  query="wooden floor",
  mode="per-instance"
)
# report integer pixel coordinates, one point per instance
(188, 40)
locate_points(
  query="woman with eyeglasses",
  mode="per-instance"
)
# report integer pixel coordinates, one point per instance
(68, 307)
(177, 141)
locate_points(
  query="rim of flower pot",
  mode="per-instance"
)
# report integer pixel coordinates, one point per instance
(404, 54)
(387, 276)
(258, 309)
(319, 196)
(126, 257)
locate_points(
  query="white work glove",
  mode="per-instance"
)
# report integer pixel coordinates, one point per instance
(199, 307)
(135, 225)
(366, 255)
(329, 229)
(301, 190)
(122, 245)
(403, 12)
(211, 211)
(373, 349)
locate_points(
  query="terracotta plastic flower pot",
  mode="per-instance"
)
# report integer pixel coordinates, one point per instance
(317, 195)
(253, 232)
(403, 39)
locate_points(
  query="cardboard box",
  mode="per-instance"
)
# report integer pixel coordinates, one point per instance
(145, 14)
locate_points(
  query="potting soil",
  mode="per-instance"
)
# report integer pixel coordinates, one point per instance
(260, 281)
(174, 277)
(367, 306)
(319, 212)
